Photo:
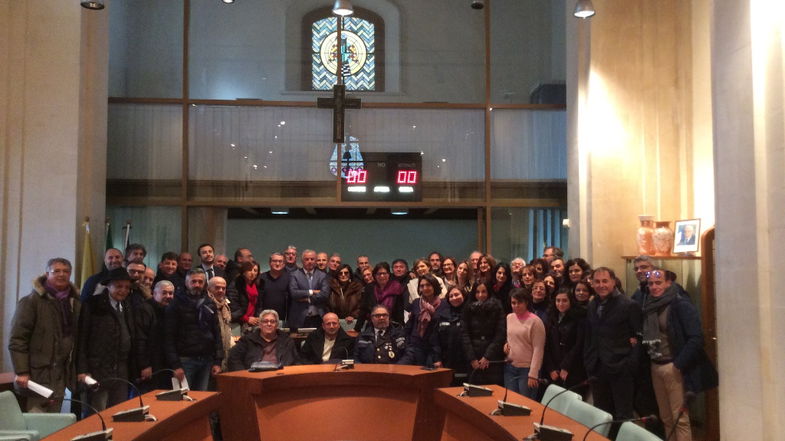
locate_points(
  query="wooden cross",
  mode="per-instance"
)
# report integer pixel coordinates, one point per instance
(339, 102)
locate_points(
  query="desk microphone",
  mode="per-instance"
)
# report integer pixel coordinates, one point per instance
(510, 409)
(179, 394)
(641, 419)
(552, 433)
(473, 390)
(346, 363)
(136, 414)
(689, 397)
(100, 435)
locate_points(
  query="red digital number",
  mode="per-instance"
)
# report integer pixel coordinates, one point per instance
(406, 177)
(357, 177)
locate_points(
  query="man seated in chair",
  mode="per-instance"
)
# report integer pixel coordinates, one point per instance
(265, 343)
(330, 343)
(382, 342)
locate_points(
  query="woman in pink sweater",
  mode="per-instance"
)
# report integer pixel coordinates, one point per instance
(525, 346)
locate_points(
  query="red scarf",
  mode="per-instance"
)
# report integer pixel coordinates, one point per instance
(426, 314)
(253, 294)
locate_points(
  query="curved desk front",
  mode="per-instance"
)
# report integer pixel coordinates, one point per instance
(469, 419)
(369, 402)
(177, 420)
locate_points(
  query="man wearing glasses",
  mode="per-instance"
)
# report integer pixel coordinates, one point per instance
(43, 336)
(268, 344)
(383, 342)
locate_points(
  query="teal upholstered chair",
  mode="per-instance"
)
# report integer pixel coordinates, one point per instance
(630, 431)
(589, 416)
(561, 403)
(16, 425)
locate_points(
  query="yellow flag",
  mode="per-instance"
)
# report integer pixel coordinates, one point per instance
(88, 266)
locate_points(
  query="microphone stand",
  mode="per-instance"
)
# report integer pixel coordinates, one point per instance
(641, 419)
(136, 414)
(100, 435)
(179, 394)
(688, 397)
(472, 390)
(552, 433)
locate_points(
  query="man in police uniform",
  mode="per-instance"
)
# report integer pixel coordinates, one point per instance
(383, 342)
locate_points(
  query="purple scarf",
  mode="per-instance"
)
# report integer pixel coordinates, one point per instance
(386, 296)
(64, 302)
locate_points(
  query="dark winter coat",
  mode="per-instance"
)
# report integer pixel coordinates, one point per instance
(249, 350)
(99, 350)
(311, 351)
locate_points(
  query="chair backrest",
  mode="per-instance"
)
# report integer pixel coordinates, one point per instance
(11, 417)
(630, 431)
(589, 416)
(561, 403)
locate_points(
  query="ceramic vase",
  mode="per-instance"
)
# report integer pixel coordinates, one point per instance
(646, 235)
(663, 239)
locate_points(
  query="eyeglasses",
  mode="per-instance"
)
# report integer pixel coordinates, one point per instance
(269, 322)
(60, 271)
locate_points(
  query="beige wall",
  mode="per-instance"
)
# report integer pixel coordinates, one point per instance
(52, 127)
(631, 132)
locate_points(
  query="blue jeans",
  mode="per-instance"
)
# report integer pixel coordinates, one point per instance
(517, 380)
(197, 371)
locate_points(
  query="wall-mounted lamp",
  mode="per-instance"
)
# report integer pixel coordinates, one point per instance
(399, 211)
(343, 8)
(228, 2)
(584, 9)
(94, 5)
(280, 211)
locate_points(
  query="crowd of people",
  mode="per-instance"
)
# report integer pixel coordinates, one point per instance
(521, 325)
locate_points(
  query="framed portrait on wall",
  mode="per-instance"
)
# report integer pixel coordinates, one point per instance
(686, 236)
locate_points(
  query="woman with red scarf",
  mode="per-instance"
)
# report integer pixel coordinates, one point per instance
(423, 347)
(245, 296)
(385, 291)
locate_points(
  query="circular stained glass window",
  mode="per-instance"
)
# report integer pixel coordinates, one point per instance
(353, 52)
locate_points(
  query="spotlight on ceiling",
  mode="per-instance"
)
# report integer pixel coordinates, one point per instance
(94, 5)
(228, 2)
(343, 8)
(584, 9)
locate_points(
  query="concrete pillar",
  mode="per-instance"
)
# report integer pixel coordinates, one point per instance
(53, 64)
(748, 54)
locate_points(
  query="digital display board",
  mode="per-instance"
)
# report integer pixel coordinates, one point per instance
(383, 176)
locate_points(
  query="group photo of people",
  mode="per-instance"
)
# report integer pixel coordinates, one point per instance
(521, 325)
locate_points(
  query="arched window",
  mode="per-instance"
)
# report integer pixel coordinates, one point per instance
(361, 50)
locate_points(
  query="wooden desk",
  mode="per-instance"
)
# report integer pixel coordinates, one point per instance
(371, 402)
(469, 419)
(177, 420)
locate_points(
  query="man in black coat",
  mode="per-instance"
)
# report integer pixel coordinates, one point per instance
(106, 339)
(612, 349)
(192, 339)
(150, 336)
(328, 344)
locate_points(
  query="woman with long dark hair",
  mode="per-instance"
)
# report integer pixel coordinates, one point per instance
(423, 347)
(525, 346)
(345, 294)
(382, 291)
(246, 296)
(483, 336)
(502, 284)
(450, 338)
(564, 345)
